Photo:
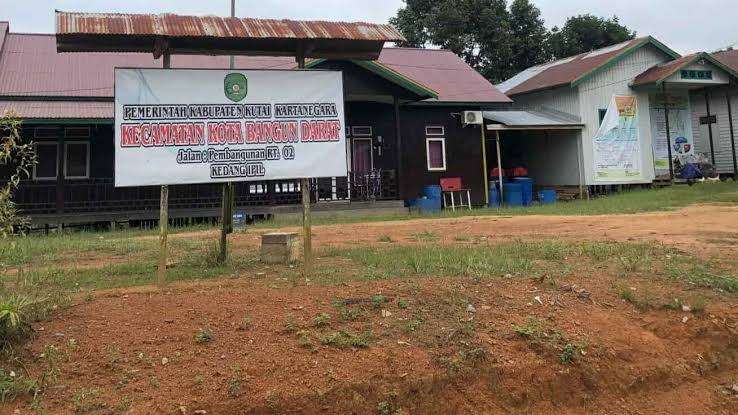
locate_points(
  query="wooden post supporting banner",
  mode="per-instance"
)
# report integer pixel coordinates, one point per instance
(226, 211)
(306, 226)
(305, 189)
(163, 213)
(163, 229)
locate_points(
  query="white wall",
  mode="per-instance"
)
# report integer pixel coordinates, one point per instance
(563, 99)
(552, 157)
(596, 93)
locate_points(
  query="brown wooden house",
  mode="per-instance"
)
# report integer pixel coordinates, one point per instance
(403, 116)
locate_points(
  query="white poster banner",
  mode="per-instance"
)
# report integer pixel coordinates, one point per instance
(617, 144)
(680, 126)
(180, 126)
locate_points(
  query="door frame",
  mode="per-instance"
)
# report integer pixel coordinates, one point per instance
(371, 151)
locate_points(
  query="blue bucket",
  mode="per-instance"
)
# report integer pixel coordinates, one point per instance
(432, 192)
(526, 184)
(547, 197)
(513, 194)
(494, 197)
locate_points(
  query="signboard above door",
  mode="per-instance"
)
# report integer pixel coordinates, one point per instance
(206, 126)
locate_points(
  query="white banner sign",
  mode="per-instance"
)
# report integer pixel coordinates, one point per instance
(179, 126)
(617, 144)
(680, 126)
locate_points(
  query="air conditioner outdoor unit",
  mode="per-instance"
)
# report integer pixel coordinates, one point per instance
(473, 118)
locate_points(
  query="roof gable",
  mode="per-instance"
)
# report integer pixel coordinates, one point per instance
(574, 70)
(4, 27)
(660, 73)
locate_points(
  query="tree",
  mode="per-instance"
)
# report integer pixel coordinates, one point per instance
(585, 33)
(18, 158)
(476, 30)
(528, 35)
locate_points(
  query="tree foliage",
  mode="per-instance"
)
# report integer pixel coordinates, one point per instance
(585, 33)
(16, 160)
(528, 34)
(500, 42)
(476, 30)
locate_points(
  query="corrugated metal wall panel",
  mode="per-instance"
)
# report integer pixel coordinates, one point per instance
(720, 131)
(564, 99)
(596, 94)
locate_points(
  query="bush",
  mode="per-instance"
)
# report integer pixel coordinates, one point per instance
(15, 318)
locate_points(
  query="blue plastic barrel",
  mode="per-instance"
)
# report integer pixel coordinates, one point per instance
(432, 192)
(513, 194)
(428, 205)
(494, 196)
(526, 184)
(547, 197)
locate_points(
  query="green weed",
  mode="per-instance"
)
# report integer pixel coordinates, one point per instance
(204, 334)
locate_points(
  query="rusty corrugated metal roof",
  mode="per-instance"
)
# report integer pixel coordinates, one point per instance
(660, 72)
(571, 70)
(219, 27)
(31, 66)
(4, 27)
(58, 110)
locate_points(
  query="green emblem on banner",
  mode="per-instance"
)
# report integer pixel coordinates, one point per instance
(236, 86)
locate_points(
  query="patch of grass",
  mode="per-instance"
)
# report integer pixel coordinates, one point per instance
(628, 295)
(290, 326)
(303, 339)
(703, 275)
(462, 238)
(204, 334)
(343, 340)
(378, 301)
(426, 236)
(234, 383)
(533, 331)
(401, 303)
(114, 355)
(124, 404)
(346, 313)
(644, 301)
(386, 239)
(88, 401)
(244, 324)
(14, 386)
(570, 353)
(627, 202)
(413, 324)
(322, 320)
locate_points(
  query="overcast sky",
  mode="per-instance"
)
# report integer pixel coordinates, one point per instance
(685, 25)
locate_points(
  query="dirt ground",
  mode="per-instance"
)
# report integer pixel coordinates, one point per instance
(707, 229)
(410, 346)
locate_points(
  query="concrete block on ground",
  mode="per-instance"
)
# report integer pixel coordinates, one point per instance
(280, 247)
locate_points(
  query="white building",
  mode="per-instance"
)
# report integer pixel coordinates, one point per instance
(583, 87)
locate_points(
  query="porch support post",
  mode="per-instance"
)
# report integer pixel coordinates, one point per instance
(398, 139)
(499, 167)
(709, 127)
(61, 156)
(668, 131)
(485, 183)
(732, 135)
(163, 213)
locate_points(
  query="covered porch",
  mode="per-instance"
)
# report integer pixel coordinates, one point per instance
(546, 145)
